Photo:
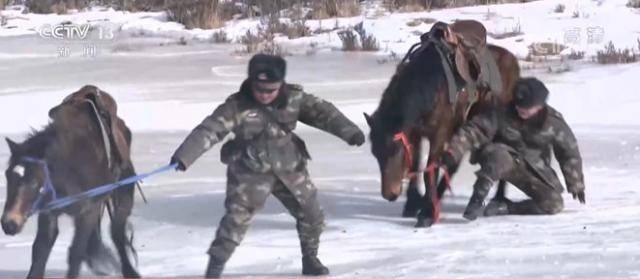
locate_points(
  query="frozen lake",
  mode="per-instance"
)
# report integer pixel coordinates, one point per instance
(166, 90)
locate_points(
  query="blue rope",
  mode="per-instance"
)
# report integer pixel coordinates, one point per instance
(46, 188)
(57, 203)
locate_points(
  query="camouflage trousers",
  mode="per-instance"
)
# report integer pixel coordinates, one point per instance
(501, 162)
(247, 192)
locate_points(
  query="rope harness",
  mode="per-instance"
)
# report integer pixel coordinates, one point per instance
(57, 203)
(431, 170)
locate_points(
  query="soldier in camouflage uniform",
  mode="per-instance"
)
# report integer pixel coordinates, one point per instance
(266, 157)
(514, 145)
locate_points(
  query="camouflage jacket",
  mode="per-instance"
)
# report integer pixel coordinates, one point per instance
(259, 143)
(531, 140)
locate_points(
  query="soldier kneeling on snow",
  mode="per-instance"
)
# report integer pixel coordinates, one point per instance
(266, 157)
(514, 144)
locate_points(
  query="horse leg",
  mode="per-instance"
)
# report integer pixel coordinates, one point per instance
(122, 206)
(430, 204)
(414, 194)
(85, 225)
(431, 209)
(414, 201)
(100, 258)
(501, 193)
(45, 238)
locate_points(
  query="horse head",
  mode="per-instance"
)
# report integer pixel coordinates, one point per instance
(26, 176)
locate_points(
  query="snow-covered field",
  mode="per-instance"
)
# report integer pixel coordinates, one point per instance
(164, 91)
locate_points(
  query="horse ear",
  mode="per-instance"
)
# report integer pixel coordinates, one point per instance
(368, 118)
(13, 147)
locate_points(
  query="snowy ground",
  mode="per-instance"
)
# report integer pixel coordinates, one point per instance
(581, 26)
(165, 90)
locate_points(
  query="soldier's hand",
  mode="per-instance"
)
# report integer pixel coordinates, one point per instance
(356, 139)
(448, 160)
(180, 166)
(579, 195)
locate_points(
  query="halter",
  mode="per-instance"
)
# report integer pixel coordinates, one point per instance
(47, 187)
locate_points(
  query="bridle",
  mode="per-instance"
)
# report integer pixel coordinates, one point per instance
(47, 187)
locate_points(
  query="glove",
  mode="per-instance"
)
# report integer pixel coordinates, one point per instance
(357, 139)
(578, 195)
(448, 160)
(180, 166)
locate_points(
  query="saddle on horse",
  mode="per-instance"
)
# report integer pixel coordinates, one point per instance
(463, 49)
(113, 129)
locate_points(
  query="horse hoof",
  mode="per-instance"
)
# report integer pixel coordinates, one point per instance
(424, 222)
(132, 273)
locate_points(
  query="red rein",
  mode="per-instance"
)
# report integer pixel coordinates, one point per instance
(431, 170)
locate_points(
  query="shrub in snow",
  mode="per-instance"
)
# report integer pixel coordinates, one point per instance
(559, 9)
(356, 38)
(633, 4)
(271, 24)
(611, 55)
(368, 41)
(349, 40)
(298, 26)
(251, 41)
(220, 37)
(407, 5)
(57, 7)
(136, 5)
(576, 55)
(295, 29)
(334, 8)
(203, 14)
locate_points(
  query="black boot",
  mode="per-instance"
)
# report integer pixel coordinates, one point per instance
(311, 265)
(214, 268)
(480, 190)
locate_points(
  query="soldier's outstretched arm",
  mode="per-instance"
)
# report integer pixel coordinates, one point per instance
(323, 115)
(480, 130)
(565, 148)
(211, 131)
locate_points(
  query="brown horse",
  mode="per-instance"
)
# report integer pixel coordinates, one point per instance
(71, 155)
(416, 105)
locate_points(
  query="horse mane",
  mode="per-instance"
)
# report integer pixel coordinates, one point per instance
(37, 140)
(412, 91)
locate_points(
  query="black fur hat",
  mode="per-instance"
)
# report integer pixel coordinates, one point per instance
(267, 68)
(530, 92)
